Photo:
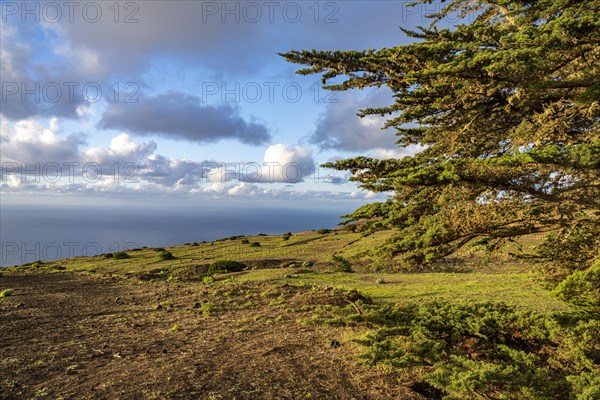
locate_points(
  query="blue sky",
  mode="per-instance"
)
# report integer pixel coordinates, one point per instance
(186, 100)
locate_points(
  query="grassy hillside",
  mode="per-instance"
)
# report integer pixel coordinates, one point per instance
(305, 258)
(292, 324)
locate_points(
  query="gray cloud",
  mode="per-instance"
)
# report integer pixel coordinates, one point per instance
(251, 33)
(338, 127)
(182, 117)
(29, 89)
(223, 40)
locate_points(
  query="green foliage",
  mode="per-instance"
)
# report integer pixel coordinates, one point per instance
(223, 266)
(245, 241)
(582, 288)
(165, 256)
(570, 264)
(324, 231)
(286, 236)
(507, 111)
(255, 244)
(341, 264)
(121, 255)
(6, 293)
(570, 249)
(486, 350)
(207, 308)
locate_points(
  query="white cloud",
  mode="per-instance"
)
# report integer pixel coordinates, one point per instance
(385, 154)
(122, 148)
(30, 141)
(128, 168)
(282, 163)
(286, 163)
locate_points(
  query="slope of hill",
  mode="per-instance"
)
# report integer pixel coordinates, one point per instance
(156, 324)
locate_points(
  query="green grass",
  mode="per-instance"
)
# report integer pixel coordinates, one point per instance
(513, 283)
(6, 293)
(522, 290)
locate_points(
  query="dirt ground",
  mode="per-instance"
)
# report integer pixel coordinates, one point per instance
(77, 336)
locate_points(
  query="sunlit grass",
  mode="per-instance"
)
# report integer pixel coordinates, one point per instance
(511, 283)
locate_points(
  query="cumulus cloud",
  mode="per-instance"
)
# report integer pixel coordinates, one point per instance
(182, 117)
(139, 161)
(286, 163)
(340, 128)
(29, 141)
(282, 163)
(128, 167)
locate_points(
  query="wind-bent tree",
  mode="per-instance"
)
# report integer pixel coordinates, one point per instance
(508, 109)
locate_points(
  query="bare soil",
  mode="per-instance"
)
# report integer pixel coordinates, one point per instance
(78, 336)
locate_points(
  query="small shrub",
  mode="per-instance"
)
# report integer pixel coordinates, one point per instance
(159, 249)
(207, 308)
(307, 264)
(255, 244)
(223, 266)
(108, 255)
(324, 231)
(262, 234)
(286, 236)
(341, 264)
(245, 241)
(165, 256)
(6, 293)
(121, 255)
(582, 288)
(485, 350)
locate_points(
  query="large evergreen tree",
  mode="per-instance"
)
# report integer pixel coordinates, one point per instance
(508, 109)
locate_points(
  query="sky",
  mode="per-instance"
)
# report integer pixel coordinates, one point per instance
(144, 102)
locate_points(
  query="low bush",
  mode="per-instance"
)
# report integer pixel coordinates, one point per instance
(223, 266)
(121, 255)
(324, 231)
(165, 256)
(341, 264)
(255, 244)
(582, 289)
(475, 350)
(286, 236)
